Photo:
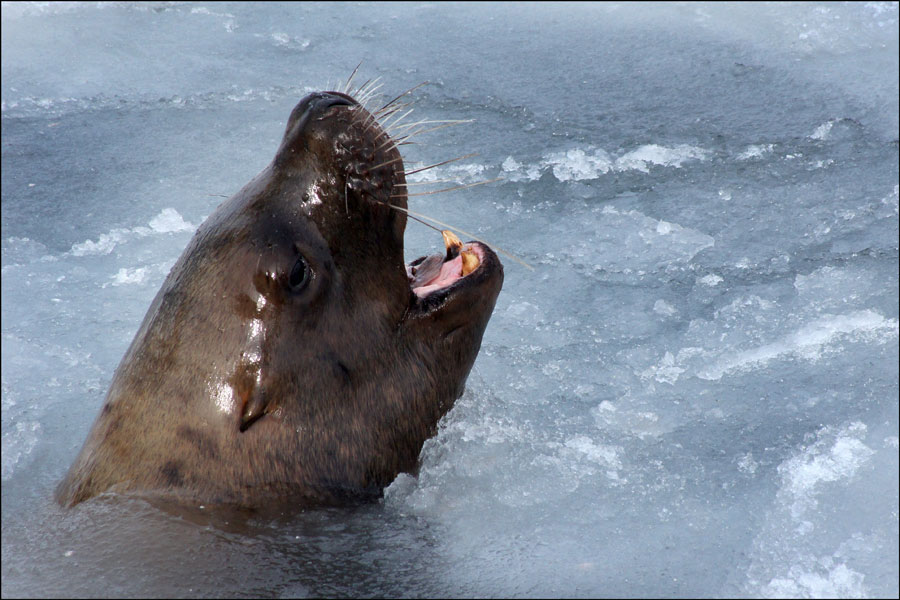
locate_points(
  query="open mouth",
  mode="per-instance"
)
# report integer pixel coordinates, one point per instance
(430, 274)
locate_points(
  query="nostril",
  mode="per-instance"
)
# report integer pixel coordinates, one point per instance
(316, 103)
(324, 100)
(339, 99)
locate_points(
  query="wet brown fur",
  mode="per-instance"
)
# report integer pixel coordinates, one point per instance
(344, 379)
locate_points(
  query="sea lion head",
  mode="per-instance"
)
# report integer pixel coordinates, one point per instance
(291, 352)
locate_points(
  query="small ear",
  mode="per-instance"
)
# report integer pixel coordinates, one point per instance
(255, 407)
(254, 404)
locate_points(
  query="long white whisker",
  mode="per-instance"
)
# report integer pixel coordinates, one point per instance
(350, 80)
(450, 189)
(401, 95)
(457, 229)
(442, 163)
(429, 122)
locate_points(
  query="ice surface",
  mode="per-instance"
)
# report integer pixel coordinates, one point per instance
(694, 394)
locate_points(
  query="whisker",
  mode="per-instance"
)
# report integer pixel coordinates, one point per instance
(389, 149)
(415, 87)
(381, 118)
(450, 189)
(425, 223)
(393, 110)
(365, 104)
(408, 173)
(393, 160)
(367, 95)
(359, 90)
(449, 179)
(402, 105)
(391, 138)
(430, 129)
(408, 136)
(393, 123)
(365, 101)
(374, 121)
(367, 119)
(458, 230)
(363, 89)
(429, 122)
(350, 80)
(361, 115)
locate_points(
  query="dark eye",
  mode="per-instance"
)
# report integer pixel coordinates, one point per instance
(300, 275)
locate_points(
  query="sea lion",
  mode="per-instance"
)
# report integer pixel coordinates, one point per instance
(290, 352)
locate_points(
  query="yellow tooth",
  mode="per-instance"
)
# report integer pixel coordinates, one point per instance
(451, 241)
(469, 262)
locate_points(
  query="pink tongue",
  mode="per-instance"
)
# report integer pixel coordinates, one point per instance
(450, 272)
